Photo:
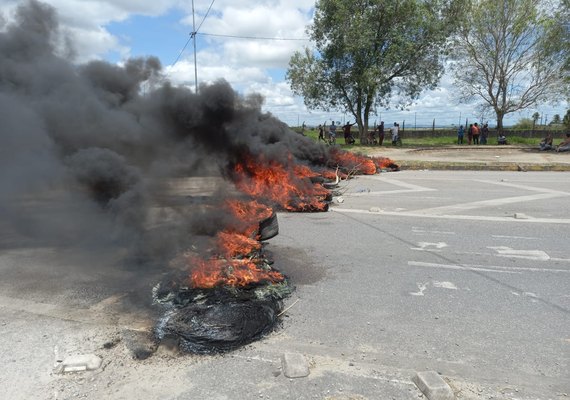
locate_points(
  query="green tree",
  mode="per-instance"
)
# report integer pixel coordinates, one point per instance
(535, 117)
(566, 120)
(371, 53)
(556, 120)
(558, 43)
(505, 58)
(524, 123)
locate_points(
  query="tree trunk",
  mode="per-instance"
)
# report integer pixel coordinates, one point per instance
(500, 116)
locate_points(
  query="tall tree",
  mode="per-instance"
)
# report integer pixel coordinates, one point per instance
(566, 120)
(371, 53)
(505, 57)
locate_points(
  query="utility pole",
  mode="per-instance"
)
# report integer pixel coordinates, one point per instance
(194, 38)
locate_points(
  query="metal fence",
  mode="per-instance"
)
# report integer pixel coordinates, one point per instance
(537, 133)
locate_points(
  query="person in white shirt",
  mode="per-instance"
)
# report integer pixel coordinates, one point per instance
(395, 133)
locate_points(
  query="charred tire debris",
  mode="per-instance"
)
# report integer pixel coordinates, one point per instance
(222, 318)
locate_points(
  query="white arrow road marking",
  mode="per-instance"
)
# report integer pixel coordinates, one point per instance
(445, 285)
(504, 251)
(422, 287)
(420, 230)
(423, 246)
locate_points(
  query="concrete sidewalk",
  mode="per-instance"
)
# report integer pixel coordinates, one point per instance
(484, 157)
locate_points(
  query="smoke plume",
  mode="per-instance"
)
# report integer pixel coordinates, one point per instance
(87, 155)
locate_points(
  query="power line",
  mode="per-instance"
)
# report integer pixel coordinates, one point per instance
(182, 51)
(203, 19)
(250, 37)
(192, 34)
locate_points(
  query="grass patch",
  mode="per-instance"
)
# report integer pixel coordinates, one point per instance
(440, 141)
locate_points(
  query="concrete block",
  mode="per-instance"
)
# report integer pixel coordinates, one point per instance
(294, 365)
(80, 362)
(433, 386)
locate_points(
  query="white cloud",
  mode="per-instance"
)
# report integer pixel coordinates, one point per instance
(254, 19)
(242, 62)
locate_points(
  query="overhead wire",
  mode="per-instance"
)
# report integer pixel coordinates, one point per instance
(192, 34)
(196, 32)
(250, 37)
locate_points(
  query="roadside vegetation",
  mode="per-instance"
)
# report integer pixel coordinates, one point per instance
(505, 56)
(440, 141)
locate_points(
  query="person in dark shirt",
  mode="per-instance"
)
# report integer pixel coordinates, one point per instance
(348, 138)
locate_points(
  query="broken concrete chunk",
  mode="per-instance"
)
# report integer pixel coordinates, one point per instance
(294, 365)
(433, 386)
(80, 362)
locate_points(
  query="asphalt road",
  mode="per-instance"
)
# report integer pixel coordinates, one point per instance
(465, 273)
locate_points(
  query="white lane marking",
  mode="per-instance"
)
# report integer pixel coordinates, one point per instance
(445, 285)
(421, 287)
(419, 230)
(488, 203)
(407, 187)
(457, 217)
(504, 251)
(514, 237)
(423, 246)
(525, 187)
(459, 267)
(559, 259)
(485, 268)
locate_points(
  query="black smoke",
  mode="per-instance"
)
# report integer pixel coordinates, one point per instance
(87, 151)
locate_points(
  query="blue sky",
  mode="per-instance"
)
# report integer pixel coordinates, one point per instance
(116, 29)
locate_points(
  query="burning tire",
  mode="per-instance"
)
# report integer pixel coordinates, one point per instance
(269, 228)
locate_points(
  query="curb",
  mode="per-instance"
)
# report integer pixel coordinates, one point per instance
(482, 166)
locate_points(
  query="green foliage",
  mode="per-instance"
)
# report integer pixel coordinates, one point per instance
(366, 51)
(510, 55)
(525, 123)
(566, 120)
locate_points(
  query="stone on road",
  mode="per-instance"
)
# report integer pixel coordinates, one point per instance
(294, 365)
(433, 386)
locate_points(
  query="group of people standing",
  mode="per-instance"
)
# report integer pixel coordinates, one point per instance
(475, 135)
(331, 133)
(328, 134)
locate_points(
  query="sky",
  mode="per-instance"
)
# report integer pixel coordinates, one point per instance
(114, 30)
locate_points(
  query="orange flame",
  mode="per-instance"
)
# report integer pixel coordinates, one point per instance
(212, 273)
(234, 244)
(287, 187)
(384, 163)
(237, 260)
(352, 162)
(248, 215)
